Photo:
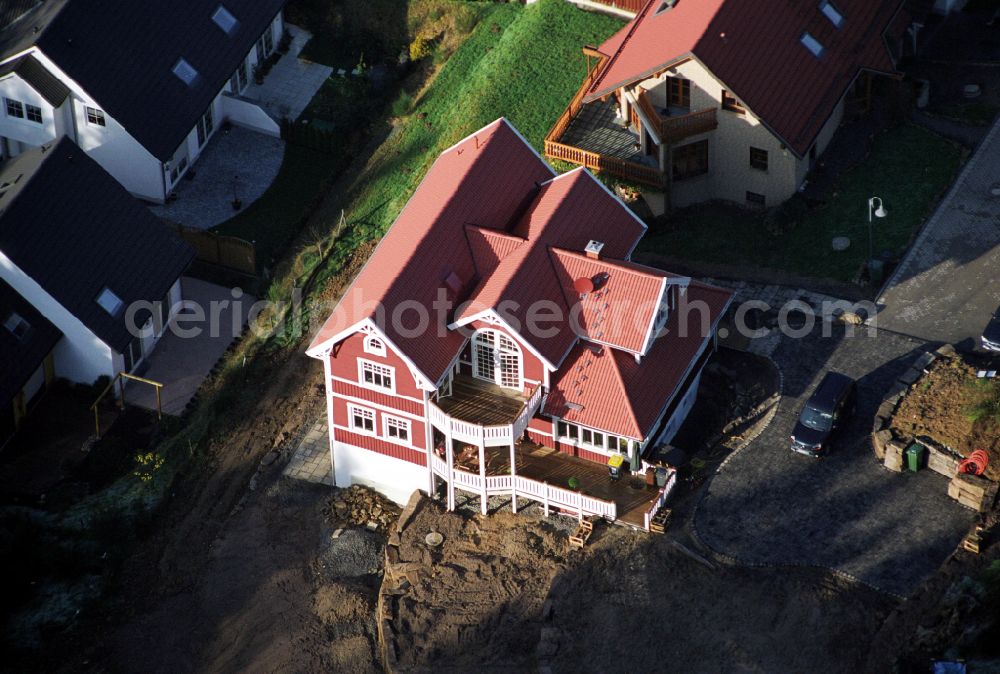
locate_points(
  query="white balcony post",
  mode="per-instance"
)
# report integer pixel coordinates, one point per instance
(513, 478)
(482, 473)
(429, 446)
(450, 453)
(545, 497)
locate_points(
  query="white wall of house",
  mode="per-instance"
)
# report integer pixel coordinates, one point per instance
(21, 129)
(680, 414)
(111, 145)
(80, 355)
(730, 175)
(395, 478)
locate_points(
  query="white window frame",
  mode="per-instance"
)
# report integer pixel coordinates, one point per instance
(498, 353)
(14, 108)
(578, 441)
(375, 345)
(32, 111)
(94, 116)
(365, 413)
(377, 369)
(389, 421)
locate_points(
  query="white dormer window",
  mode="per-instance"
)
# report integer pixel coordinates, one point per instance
(185, 72)
(373, 375)
(16, 325)
(812, 44)
(374, 346)
(110, 302)
(224, 19)
(832, 13)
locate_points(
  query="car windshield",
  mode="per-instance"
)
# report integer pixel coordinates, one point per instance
(816, 420)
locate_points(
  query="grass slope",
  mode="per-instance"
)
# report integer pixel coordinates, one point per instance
(523, 63)
(909, 168)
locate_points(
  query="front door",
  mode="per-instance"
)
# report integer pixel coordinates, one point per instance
(497, 358)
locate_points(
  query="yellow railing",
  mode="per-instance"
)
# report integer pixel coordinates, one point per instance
(118, 380)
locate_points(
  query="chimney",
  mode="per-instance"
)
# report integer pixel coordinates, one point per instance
(593, 249)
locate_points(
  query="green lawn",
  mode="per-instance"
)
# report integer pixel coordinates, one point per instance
(909, 168)
(521, 62)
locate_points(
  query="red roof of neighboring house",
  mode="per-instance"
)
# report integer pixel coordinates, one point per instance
(592, 383)
(489, 228)
(754, 49)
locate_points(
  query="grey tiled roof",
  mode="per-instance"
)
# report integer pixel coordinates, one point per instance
(122, 54)
(20, 357)
(72, 228)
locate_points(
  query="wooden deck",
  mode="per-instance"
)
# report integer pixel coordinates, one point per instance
(549, 465)
(481, 402)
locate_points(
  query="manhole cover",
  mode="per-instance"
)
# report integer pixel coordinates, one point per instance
(433, 539)
(841, 243)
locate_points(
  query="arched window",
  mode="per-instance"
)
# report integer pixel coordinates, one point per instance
(497, 358)
(374, 346)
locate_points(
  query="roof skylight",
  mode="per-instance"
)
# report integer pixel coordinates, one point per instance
(16, 325)
(110, 302)
(812, 44)
(185, 72)
(832, 13)
(224, 19)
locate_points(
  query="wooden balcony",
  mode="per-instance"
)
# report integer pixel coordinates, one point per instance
(672, 128)
(480, 412)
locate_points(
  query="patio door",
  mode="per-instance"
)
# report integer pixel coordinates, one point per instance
(496, 358)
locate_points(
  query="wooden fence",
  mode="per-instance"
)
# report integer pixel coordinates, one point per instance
(225, 251)
(633, 6)
(676, 127)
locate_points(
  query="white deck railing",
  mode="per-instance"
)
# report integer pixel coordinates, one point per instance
(661, 499)
(473, 433)
(518, 485)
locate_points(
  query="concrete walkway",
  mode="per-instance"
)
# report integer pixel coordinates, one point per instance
(180, 363)
(946, 288)
(311, 461)
(237, 161)
(292, 82)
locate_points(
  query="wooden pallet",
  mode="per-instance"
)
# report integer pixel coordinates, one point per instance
(582, 535)
(660, 521)
(973, 540)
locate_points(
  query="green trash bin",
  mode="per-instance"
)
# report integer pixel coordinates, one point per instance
(915, 457)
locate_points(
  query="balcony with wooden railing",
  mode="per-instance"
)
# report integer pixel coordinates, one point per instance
(672, 128)
(614, 154)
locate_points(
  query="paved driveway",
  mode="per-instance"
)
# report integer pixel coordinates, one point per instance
(768, 506)
(947, 286)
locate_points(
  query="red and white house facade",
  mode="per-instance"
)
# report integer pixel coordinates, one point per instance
(500, 274)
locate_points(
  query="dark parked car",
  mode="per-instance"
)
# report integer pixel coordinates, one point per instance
(824, 414)
(991, 335)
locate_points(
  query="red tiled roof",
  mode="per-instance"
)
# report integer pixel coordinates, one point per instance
(482, 180)
(753, 48)
(489, 247)
(620, 310)
(592, 383)
(568, 212)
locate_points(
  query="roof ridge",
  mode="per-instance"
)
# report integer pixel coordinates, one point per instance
(625, 265)
(628, 36)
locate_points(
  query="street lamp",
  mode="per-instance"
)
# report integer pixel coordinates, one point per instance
(879, 212)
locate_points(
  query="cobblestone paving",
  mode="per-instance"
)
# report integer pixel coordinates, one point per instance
(311, 461)
(845, 512)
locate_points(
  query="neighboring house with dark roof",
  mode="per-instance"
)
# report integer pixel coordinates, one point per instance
(27, 358)
(83, 252)
(727, 99)
(141, 87)
(539, 331)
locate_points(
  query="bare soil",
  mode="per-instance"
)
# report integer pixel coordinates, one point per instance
(506, 593)
(939, 406)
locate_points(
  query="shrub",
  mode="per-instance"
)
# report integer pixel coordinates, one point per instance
(573, 483)
(421, 48)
